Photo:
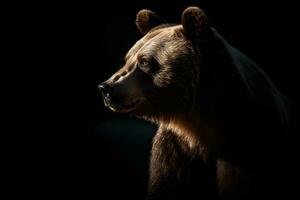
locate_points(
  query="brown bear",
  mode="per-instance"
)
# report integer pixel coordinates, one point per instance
(222, 122)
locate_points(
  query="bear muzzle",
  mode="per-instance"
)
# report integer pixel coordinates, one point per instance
(116, 102)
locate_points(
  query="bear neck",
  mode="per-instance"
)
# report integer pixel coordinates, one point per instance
(193, 130)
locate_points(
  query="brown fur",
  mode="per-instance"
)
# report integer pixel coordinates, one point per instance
(182, 78)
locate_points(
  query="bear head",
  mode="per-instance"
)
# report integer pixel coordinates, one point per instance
(161, 72)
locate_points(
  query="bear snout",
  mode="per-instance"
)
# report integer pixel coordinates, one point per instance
(115, 98)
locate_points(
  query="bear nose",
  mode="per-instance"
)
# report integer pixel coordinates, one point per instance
(105, 89)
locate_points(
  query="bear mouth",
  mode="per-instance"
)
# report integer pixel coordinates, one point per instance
(126, 107)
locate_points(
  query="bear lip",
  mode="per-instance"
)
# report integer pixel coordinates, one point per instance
(125, 108)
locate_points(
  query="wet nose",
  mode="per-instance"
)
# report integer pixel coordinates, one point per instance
(105, 89)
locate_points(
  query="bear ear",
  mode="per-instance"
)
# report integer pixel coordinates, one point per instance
(146, 20)
(195, 24)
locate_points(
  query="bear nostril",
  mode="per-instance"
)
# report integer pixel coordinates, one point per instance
(105, 89)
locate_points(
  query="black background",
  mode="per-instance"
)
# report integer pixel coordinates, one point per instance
(70, 144)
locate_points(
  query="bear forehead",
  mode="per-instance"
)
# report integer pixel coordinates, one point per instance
(166, 39)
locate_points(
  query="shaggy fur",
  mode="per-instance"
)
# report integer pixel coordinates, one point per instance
(221, 119)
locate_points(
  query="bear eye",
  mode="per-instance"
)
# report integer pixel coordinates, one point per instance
(143, 64)
(148, 65)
